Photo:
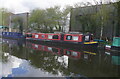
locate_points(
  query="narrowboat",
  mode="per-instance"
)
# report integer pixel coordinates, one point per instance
(13, 35)
(115, 45)
(73, 39)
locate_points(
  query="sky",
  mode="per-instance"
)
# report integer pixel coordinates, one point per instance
(21, 6)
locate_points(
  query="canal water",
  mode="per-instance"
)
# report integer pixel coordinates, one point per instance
(28, 59)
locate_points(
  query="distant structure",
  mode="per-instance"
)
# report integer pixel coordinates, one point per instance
(80, 20)
(18, 22)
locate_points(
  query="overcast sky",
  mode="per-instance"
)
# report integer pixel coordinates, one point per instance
(21, 6)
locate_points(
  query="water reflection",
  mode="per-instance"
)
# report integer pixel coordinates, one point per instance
(28, 59)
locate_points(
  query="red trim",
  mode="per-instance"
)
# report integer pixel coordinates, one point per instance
(39, 35)
(59, 36)
(46, 36)
(40, 47)
(54, 52)
(79, 37)
(28, 33)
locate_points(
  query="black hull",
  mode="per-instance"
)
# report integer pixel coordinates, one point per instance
(115, 48)
(23, 38)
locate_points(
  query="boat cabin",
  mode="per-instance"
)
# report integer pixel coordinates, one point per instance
(116, 41)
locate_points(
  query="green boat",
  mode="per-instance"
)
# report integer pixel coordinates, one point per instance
(115, 45)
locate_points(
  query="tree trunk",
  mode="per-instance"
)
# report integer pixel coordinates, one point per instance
(101, 33)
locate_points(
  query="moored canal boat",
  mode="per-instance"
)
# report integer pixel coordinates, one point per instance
(60, 38)
(115, 45)
(13, 35)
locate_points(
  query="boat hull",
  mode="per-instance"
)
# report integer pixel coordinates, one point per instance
(13, 35)
(75, 45)
(112, 48)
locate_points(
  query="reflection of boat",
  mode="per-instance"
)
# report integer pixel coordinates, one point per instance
(13, 42)
(71, 53)
(89, 52)
(115, 57)
(57, 50)
(46, 48)
(78, 62)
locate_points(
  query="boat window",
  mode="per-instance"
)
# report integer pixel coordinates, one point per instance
(55, 50)
(86, 38)
(75, 38)
(36, 46)
(50, 48)
(69, 37)
(68, 52)
(74, 53)
(43, 36)
(36, 36)
(55, 36)
(29, 35)
(50, 36)
(42, 47)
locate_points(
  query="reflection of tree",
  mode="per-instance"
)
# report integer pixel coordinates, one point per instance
(5, 49)
(47, 62)
(19, 51)
(4, 58)
(94, 66)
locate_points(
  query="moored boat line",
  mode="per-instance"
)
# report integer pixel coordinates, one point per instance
(80, 39)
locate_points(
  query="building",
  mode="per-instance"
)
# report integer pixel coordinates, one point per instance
(18, 22)
(84, 19)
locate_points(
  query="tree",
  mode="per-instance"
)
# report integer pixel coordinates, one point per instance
(65, 16)
(54, 17)
(118, 12)
(4, 15)
(18, 24)
(50, 19)
(37, 18)
(101, 16)
(46, 20)
(117, 7)
(85, 18)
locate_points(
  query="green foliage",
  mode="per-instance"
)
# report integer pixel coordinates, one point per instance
(118, 28)
(48, 19)
(4, 14)
(102, 17)
(37, 17)
(18, 24)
